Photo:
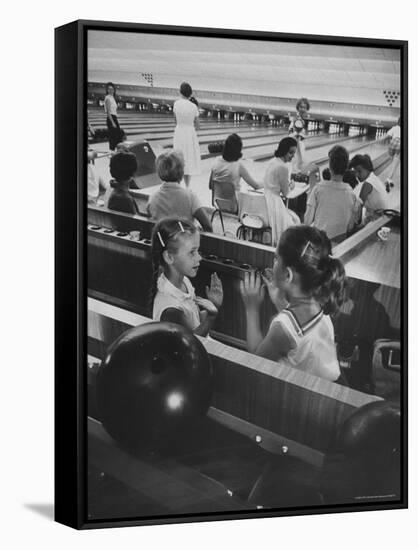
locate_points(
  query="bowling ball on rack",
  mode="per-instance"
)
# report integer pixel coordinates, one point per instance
(154, 387)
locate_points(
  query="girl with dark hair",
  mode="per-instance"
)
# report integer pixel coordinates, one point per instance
(229, 168)
(306, 286)
(111, 110)
(371, 191)
(332, 205)
(122, 168)
(185, 140)
(297, 129)
(176, 258)
(277, 182)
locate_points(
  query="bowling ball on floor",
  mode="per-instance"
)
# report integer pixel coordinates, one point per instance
(366, 464)
(154, 387)
(374, 429)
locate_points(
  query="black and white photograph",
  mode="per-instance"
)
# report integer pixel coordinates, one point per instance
(243, 274)
(234, 368)
(230, 273)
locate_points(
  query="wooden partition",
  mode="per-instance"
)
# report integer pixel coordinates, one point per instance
(119, 271)
(274, 406)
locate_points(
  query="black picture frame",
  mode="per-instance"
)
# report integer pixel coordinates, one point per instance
(71, 278)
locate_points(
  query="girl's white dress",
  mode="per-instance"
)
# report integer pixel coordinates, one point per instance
(314, 348)
(185, 137)
(169, 296)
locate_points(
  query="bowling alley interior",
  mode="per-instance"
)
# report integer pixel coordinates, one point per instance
(244, 297)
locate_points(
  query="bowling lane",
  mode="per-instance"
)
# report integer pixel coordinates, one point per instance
(215, 133)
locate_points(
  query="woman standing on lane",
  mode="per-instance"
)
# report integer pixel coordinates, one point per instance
(185, 138)
(111, 110)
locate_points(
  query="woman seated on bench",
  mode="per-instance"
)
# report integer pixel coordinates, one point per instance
(172, 199)
(229, 168)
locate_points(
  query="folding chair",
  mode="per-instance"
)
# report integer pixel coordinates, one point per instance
(224, 200)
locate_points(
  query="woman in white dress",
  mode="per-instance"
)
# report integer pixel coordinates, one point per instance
(276, 183)
(185, 139)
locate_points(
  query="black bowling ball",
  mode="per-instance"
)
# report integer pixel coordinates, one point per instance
(373, 429)
(365, 466)
(154, 386)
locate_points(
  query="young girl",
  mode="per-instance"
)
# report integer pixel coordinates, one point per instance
(307, 285)
(175, 258)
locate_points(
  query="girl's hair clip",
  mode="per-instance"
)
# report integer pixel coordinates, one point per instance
(305, 248)
(161, 239)
(181, 226)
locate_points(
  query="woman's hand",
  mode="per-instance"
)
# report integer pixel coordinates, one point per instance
(278, 300)
(252, 291)
(215, 292)
(208, 306)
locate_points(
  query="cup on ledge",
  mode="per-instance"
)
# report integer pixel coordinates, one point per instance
(383, 233)
(135, 235)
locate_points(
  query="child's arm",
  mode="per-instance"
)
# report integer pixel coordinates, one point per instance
(215, 295)
(252, 293)
(276, 343)
(174, 315)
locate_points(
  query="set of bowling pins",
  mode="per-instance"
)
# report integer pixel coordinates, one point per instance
(336, 128)
(380, 132)
(356, 130)
(312, 126)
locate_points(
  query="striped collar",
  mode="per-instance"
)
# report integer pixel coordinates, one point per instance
(302, 329)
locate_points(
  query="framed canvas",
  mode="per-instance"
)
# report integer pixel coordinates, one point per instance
(231, 275)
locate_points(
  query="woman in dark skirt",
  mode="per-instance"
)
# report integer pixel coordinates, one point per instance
(111, 110)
